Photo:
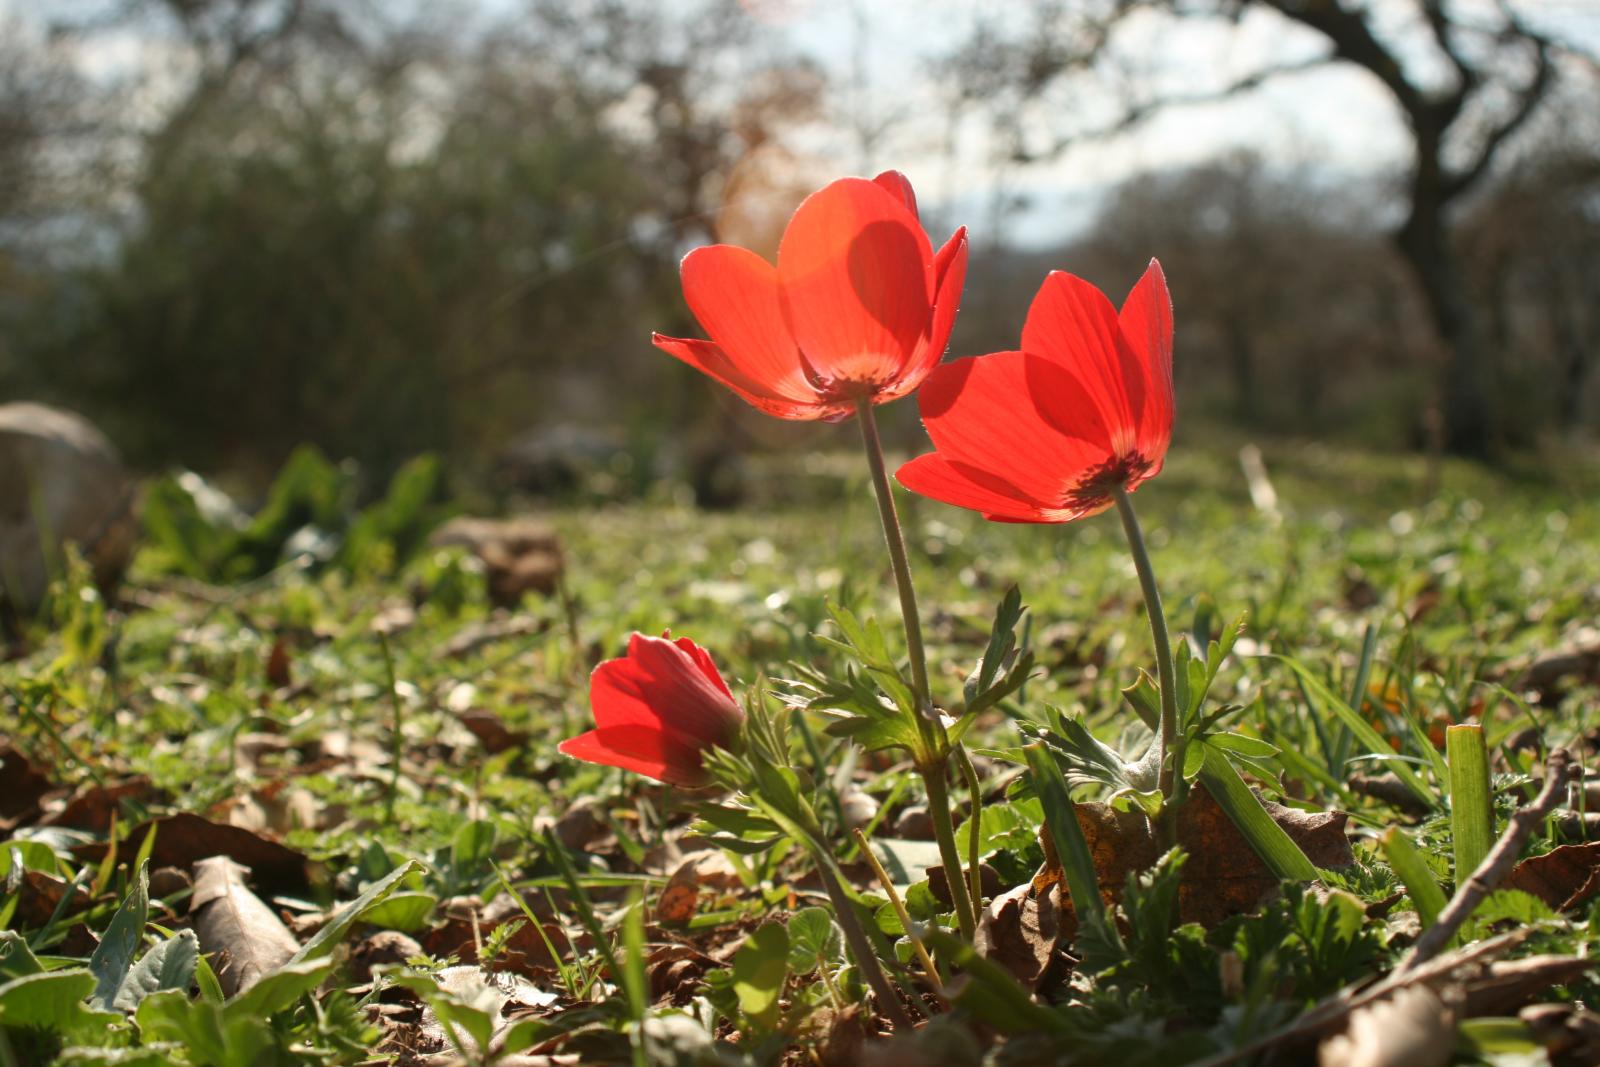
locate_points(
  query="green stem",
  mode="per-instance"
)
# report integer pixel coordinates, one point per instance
(856, 938)
(975, 839)
(397, 738)
(944, 833)
(897, 556)
(1172, 781)
(932, 760)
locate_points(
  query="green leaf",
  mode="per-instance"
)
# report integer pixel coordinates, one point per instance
(759, 969)
(330, 935)
(405, 912)
(1471, 807)
(472, 845)
(114, 955)
(1098, 940)
(169, 965)
(1412, 869)
(1277, 849)
(16, 958)
(279, 989)
(813, 936)
(51, 1000)
(1144, 697)
(1362, 729)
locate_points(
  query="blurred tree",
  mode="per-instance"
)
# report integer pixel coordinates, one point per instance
(1292, 302)
(1465, 78)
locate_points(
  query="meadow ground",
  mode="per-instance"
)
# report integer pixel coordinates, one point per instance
(268, 708)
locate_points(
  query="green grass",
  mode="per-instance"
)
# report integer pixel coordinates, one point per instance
(1459, 587)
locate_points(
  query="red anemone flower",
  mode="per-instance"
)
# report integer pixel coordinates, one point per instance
(657, 710)
(1049, 433)
(858, 305)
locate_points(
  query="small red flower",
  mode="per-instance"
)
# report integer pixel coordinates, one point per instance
(1046, 434)
(858, 305)
(657, 710)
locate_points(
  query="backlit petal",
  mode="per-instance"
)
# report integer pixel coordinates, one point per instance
(900, 186)
(967, 487)
(950, 267)
(702, 660)
(1072, 323)
(734, 294)
(987, 413)
(856, 283)
(1146, 323)
(709, 358)
(639, 749)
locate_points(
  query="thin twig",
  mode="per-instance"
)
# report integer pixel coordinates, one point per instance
(900, 910)
(1558, 771)
(1330, 1015)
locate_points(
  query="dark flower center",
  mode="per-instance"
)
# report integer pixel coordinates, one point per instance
(1094, 489)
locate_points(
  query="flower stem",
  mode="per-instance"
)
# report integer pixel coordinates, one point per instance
(897, 556)
(974, 845)
(1171, 741)
(932, 762)
(856, 938)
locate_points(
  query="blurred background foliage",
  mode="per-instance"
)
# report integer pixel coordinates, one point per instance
(387, 229)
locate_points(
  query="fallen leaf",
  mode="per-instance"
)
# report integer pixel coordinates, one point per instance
(1564, 877)
(491, 731)
(1022, 931)
(279, 675)
(243, 938)
(93, 806)
(1223, 875)
(475, 636)
(182, 840)
(21, 786)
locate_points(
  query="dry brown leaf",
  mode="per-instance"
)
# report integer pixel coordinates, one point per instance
(1022, 931)
(243, 938)
(1413, 1028)
(38, 896)
(1563, 878)
(1223, 875)
(491, 731)
(279, 676)
(182, 840)
(21, 786)
(93, 806)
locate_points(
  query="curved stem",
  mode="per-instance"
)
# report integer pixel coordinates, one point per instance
(932, 761)
(1171, 741)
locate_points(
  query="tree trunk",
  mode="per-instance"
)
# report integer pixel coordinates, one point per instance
(1468, 409)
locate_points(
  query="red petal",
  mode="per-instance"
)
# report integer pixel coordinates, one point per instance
(900, 186)
(856, 276)
(709, 359)
(966, 487)
(1000, 414)
(702, 659)
(950, 267)
(734, 294)
(660, 686)
(1146, 323)
(1073, 324)
(638, 749)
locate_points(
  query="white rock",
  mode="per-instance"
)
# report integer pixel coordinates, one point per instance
(60, 481)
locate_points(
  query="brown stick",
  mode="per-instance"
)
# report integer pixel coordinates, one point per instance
(1420, 964)
(1558, 771)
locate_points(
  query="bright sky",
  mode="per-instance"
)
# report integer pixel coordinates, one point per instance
(1334, 120)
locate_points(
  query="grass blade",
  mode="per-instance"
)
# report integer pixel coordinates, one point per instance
(1471, 810)
(1277, 849)
(1423, 889)
(1096, 928)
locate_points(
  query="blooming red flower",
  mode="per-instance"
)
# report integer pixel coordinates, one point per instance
(657, 710)
(858, 305)
(1048, 434)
